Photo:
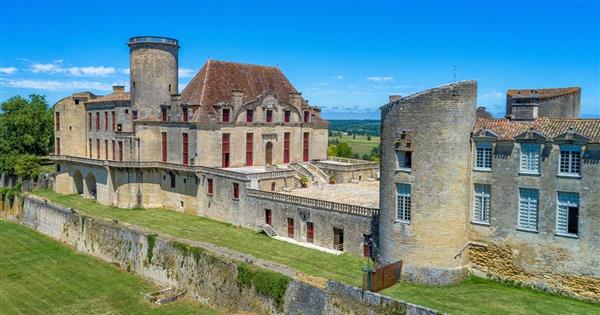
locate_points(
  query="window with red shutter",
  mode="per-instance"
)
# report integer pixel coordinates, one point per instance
(97, 121)
(185, 113)
(112, 114)
(106, 149)
(249, 115)
(225, 115)
(273, 186)
(185, 148)
(98, 148)
(89, 121)
(173, 180)
(286, 147)
(269, 115)
(305, 146)
(90, 145)
(120, 150)
(225, 150)
(164, 146)
(113, 150)
(163, 113)
(57, 146)
(249, 146)
(236, 191)
(105, 120)
(209, 186)
(57, 121)
(286, 116)
(306, 116)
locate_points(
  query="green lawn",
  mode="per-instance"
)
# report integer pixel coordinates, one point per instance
(480, 296)
(41, 276)
(474, 296)
(344, 268)
(359, 145)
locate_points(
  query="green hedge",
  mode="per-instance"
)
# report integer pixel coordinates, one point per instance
(265, 282)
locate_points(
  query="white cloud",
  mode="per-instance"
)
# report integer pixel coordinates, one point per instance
(47, 67)
(8, 70)
(338, 77)
(491, 95)
(91, 71)
(186, 72)
(57, 85)
(380, 79)
(125, 71)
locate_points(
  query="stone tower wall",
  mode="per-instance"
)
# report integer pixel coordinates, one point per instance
(439, 123)
(153, 73)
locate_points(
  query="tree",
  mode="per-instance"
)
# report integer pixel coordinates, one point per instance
(368, 137)
(25, 130)
(366, 157)
(332, 150)
(344, 150)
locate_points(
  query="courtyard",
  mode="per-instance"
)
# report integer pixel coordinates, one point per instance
(364, 193)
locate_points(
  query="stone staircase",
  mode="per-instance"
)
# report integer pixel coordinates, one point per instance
(314, 174)
(268, 229)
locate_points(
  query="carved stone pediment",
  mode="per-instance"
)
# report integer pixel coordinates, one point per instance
(269, 137)
(403, 142)
(531, 135)
(269, 101)
(571, 136)
(485, 134)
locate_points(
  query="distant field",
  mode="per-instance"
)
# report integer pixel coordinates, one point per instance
(41, 276)
(360, 145)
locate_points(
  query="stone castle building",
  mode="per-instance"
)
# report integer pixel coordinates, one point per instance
(233, 146)
(517, 198)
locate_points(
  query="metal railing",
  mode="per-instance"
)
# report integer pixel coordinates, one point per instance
(153, 39)
(313, 203)
(177, 167)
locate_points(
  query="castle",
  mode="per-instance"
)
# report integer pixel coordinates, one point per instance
(517, 198)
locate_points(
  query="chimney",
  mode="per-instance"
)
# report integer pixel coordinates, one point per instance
(295, 99)
(394, 98)
(237, 98)
(118, 89)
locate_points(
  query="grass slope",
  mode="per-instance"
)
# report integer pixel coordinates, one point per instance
(344, 268)
(481, 296)
(41, 276)
(473, 296)
(359, 145)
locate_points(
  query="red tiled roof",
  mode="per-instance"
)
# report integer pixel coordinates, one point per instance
(543, 92)
(217, 79)
(507, 129)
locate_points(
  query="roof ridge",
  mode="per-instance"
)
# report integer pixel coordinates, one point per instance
(245, 64)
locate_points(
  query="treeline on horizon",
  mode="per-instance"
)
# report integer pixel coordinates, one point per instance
(368, 127)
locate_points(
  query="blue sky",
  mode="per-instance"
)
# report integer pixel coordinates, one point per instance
(346, 56)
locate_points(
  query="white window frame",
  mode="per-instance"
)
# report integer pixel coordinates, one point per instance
(529, 162)
(485, 155)
(482, 203)
(529, 209)
(573, 162)
(403, 202)
(400, 157)
(569, 199)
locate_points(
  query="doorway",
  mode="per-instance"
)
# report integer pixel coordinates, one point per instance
(290, 227)
(269, 153)
(310, 232)
(338, 239)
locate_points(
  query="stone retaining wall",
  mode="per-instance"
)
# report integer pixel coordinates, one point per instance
(212, 275)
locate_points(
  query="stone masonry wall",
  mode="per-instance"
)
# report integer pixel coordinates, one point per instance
(209, 274)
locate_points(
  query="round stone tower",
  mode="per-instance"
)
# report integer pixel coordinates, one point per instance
(153, 73)
(425, 182)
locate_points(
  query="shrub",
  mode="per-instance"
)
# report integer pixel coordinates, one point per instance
(268, 283)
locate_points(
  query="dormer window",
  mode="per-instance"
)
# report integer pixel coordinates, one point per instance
(570, 160)
(306, 116)
(286, 116)
(225, 114)
(269, 115)
(163, 113)
(530, 158)
(184, 113)
(249, 115)
(483, 160)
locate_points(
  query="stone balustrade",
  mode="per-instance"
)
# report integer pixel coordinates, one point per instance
(313, 203)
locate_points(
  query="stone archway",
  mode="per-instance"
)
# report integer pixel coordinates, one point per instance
(90, 182)
(269, 153)
(78, 183)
